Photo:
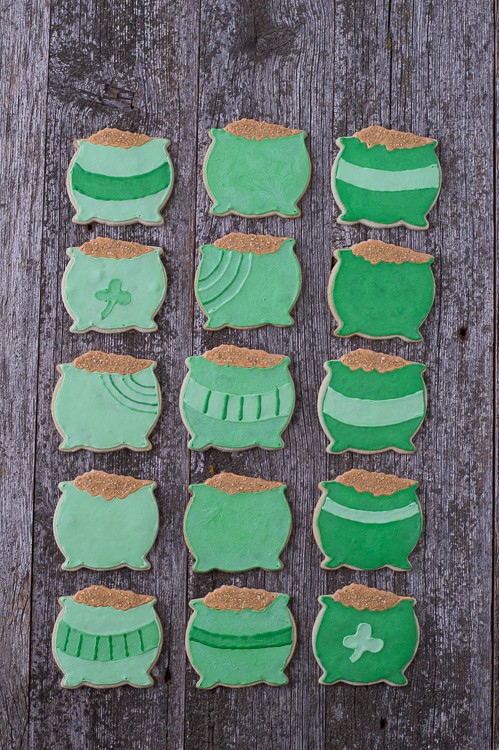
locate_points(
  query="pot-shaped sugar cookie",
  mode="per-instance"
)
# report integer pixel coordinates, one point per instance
(117, 177)
(363, 636)
(235, 398)
(371, 402)
(106, 637)
(113, 285)
(367, 520)
(236, 523)
(239, 637)
(248, 280)
(105, 521)
(381, 291)
(104, 402)
(384, 178)
(256, 169)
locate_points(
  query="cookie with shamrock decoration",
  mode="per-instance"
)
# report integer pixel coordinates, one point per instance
(256, 169)
(367, 520)
(104, 402)
(381, 291)
(248, 280)
(106, 521)
(239, 637)
(386, 178)
(363, 636)
(113, 286)
(107, 637)
(118, 177)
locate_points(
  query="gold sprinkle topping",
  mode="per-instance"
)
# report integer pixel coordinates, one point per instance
(115, 137)
(258, 130)
(260, 244)
(100, 596)
(376, 251)
(374, 482)
(104, 247)
(366, 359)
(120, 364)
(235, 598)
(228, 354)
(234, 483)
(108, 486)
(362, 597)
(392, 139)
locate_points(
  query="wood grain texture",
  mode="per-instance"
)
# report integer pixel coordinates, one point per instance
(177, 69)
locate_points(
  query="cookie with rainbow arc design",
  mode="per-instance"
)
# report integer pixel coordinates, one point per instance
(248, 280)
(118, 177)
(386, 178)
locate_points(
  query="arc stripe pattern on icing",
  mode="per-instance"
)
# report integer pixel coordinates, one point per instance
(359, 412)
(119, 389)
(229, 407)
(369, 516)
(384, 180)
(104, 187)
(273, 639)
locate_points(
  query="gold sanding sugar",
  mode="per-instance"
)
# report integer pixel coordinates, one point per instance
(104, 247)
(260, 244)
(247, 128)
(374, 482)
(107, 485)
(100, 596)
(362, 597)
(376, 135)
(115, 137)
(376, 251)
(235, 598)
(234, 483)
(228, 354)
(120, 364)
(366, 359)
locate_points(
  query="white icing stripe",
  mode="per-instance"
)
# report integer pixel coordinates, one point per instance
(360, 412)
(386, 181)
(370, 516)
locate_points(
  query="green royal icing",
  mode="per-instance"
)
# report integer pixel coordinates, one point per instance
(105, 411)
(234, 408)
(363, 531)
(380, 300)
(92, 532)
(383, 643)
(378, 187)
(232, 648)
(107, 294)
(103, 646)
(235, 532)
(256, 178)
(118, 185)
(247, 290)
(370, 412)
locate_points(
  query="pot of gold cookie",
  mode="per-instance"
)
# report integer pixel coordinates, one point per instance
(239, 637)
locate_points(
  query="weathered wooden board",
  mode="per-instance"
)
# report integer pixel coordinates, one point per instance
(177, 69)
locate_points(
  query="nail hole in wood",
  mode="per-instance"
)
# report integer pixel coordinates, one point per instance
(168, 675)
(382, 723)
(463, 333)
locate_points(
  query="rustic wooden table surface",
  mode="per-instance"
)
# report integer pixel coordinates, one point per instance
(176, 69)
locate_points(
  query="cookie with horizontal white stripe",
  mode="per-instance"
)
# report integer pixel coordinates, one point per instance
(371, 402)
(367, 520)
(386, 178)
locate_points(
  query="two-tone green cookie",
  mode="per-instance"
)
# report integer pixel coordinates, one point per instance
(235, 398)
(113, 286)
(381, 291)
(367, 520)
(363, 636)
(118, 177)
(248, 280)
(371, 402)
(256, 169)
(105, 521)
(239, 637)
(104, 402)
(386, 178)
(236, 523)
(107, 637)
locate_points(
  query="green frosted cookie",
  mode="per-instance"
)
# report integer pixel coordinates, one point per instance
(248, 280)
(256, 169)
(371, 402)
(386, 178)
(236, 523)
(104, 402)
(106, 638)
(105, 521)
(363, 636)
(239, 637)
(367, 520)
(381, 291)
(117, 177)
(235, 398)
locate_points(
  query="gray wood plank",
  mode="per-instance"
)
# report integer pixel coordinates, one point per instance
(22, 136)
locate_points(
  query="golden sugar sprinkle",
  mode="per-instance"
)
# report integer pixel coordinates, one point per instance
(237, 599)
(121, 138)
(120, 364)
(109, 486)
(376, 251)
(104, 247)
(258, 130)
(362, 597)
(228, 354)
(259, 244)
(374, 482)
(234, 483)
(100, 596)
(366, 359)
(376, 135)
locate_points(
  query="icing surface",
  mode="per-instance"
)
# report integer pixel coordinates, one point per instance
(253, 177)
